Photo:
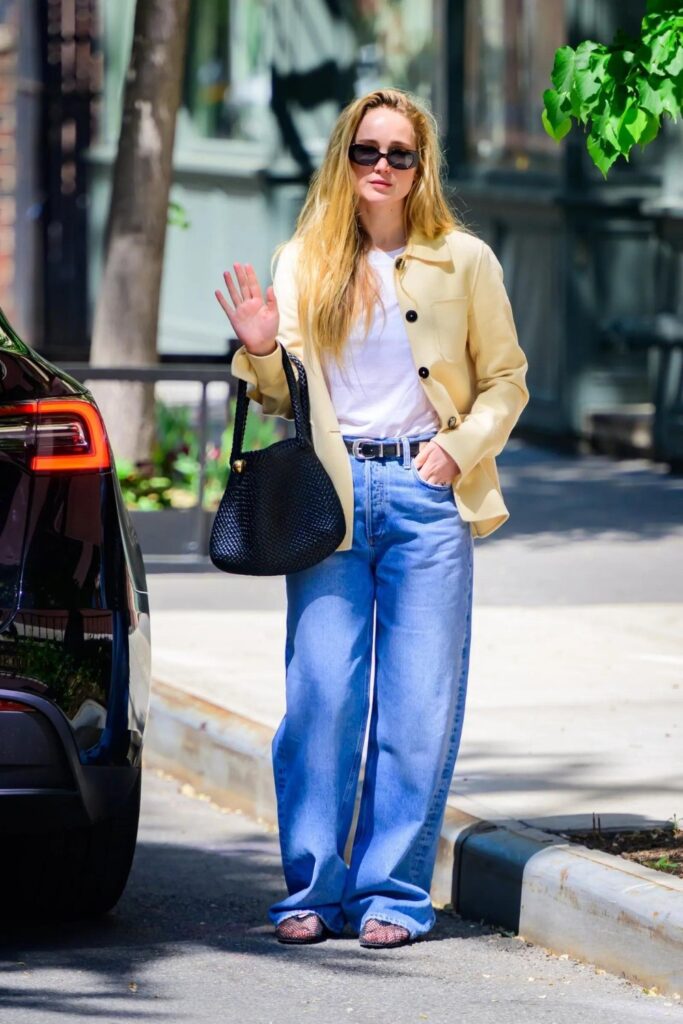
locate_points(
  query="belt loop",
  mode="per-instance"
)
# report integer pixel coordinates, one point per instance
(405, 442)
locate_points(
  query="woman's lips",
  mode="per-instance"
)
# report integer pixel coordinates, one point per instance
(386, 184)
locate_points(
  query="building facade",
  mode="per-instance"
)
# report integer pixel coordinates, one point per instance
(263, 83)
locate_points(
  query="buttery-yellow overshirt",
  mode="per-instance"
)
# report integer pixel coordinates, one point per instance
(464, 342)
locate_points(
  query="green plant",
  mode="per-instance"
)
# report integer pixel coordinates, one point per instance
(177, 215)
(143, 490)
(664, 864)
(171, 478)
(624, 89)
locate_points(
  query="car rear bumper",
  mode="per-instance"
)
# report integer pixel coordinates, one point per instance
(43, 784)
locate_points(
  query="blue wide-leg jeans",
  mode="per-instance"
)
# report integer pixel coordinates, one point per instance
(410, 566)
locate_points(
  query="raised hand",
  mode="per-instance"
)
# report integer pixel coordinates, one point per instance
(254, 321)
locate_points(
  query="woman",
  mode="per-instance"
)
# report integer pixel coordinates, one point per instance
(416, 380)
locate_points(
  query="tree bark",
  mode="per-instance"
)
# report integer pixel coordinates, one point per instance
(127, 307)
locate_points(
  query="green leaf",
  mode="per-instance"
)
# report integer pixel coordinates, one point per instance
(634, 122)
(661, 49)
(556, 132)
(554, 116)
(584, 52)
(562, 74)
(675, 65)
(606, 125)
(147, 504)
(584, 93)
(651, 130)
(598, 64)
(602, 153)
(670, 101)
(624, 136)
(653, 25)
(649, 98)
(177, 215)
(124, 468)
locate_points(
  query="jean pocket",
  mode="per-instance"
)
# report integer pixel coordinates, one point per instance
(426, 483)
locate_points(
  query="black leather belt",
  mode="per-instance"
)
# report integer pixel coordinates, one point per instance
(366, 448)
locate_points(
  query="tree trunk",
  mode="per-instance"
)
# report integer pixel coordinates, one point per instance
(127, 307)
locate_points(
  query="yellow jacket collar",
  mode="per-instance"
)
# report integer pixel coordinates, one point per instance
(434, 250)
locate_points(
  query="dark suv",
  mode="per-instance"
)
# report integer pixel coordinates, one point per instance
(74, 646)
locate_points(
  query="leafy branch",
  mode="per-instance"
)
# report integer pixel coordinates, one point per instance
(624, 89)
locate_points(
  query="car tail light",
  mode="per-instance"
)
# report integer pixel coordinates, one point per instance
(14, 705)
(56, 435)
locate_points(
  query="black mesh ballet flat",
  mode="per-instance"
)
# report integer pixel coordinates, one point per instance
(383, 934)
(302, 928)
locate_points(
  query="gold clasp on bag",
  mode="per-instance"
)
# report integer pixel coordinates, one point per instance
(238, 465)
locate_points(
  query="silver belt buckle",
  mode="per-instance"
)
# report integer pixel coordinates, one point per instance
(355, 447)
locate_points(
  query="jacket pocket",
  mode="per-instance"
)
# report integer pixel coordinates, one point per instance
(450, 321)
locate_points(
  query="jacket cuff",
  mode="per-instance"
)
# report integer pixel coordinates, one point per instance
(263, 372)
(268, 368)
(466, 455)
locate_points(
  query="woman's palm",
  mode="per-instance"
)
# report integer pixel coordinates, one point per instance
(254, 321)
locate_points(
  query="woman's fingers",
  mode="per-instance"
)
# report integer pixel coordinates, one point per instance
(226, 306)
(423, 457)
(241, 276)
(230, 285)
(248, 289)
(253, 282)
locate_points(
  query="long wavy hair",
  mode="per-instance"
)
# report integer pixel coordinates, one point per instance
(335, 282)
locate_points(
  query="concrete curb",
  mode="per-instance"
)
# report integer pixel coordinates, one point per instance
(599, 908)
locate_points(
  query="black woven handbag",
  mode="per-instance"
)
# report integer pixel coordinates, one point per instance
(280, 511)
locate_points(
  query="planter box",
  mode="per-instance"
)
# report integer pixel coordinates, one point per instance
(173, 531)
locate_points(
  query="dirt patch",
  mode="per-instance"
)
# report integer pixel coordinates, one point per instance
(659, 848)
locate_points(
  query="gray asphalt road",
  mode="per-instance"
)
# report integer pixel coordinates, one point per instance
(190, 941)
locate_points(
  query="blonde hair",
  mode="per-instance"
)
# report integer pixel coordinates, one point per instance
(334, 279)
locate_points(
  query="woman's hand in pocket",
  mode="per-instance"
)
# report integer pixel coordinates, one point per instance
(254, 321)
(439, 467)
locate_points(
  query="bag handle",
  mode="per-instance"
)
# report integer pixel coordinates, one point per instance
(298, 393)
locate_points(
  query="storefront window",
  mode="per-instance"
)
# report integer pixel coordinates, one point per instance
(395, 45)
(509, 51)
(227, 73)
(254, 66)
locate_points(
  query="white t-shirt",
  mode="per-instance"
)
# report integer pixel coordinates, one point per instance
(377, 391)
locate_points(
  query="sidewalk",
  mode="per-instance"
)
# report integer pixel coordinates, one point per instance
(570, 710)
(574, 703)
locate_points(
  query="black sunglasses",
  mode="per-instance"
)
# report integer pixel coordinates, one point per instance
(367, 156)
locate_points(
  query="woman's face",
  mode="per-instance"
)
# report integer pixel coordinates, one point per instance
(383, 185)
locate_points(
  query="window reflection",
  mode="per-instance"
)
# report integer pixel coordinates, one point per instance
(227, 73)
(274, 71)
(509, 51)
